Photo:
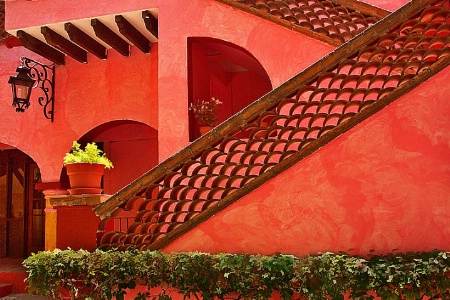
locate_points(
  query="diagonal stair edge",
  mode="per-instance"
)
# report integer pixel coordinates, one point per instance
(254, 110)
(377, 66)
(364, 8)
(298, 156)
(355, 6)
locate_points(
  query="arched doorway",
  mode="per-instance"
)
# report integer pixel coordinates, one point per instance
(131, 146)
(225, 71)
(22, 217)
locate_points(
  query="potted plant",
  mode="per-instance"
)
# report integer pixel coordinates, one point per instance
(85, 168)
(205, 112)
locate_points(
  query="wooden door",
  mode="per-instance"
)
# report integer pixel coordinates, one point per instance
(12, 182)
(3, 202)
(35, 225)
(21, 207)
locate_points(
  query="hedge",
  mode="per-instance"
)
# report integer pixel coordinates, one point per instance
(104, 275)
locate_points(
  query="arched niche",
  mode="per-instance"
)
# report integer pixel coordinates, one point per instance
(223, 70)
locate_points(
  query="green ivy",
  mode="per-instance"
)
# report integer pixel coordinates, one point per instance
(106, 275)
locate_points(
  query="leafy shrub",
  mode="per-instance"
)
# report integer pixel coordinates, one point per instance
(104, 275)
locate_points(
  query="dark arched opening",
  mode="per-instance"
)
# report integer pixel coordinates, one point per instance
(225, 71)
(22, 218)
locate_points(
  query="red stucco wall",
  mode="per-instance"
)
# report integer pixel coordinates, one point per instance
(383, 185)
(76, 228)
(134, 150)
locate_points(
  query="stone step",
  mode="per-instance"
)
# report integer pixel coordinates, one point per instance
(5, 289)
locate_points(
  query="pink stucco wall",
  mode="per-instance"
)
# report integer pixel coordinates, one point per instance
(387, 4)
(383, 185)
(21, 14)
(287, 54)
(86, 96)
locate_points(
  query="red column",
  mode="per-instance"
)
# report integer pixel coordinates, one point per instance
(70, 221)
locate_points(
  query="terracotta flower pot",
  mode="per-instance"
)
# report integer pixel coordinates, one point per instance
(205, 129)
(85, 178)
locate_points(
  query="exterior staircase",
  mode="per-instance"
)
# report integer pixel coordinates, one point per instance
(359, 78)
(12, 275)
(12, 285)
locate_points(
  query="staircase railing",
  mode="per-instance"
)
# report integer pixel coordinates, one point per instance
(333, 95)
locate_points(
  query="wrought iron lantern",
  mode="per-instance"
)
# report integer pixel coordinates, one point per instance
(21, 86)
(31, 75)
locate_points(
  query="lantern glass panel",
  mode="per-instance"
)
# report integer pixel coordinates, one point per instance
(22, 89)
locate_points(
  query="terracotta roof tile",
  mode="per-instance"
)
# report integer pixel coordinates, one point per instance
(328, 18)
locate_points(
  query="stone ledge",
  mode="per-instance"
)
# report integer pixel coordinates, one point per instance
(75, 200)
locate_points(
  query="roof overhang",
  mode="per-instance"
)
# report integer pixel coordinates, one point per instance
(95, 35)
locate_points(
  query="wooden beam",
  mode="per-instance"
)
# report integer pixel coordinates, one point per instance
(84, 40)
(364, 8)
(110, 37)
(132, 34)
(64, 45)
(151, 23)
(41, 48)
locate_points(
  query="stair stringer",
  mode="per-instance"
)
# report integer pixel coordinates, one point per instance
(382, 185)
(242, 153)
